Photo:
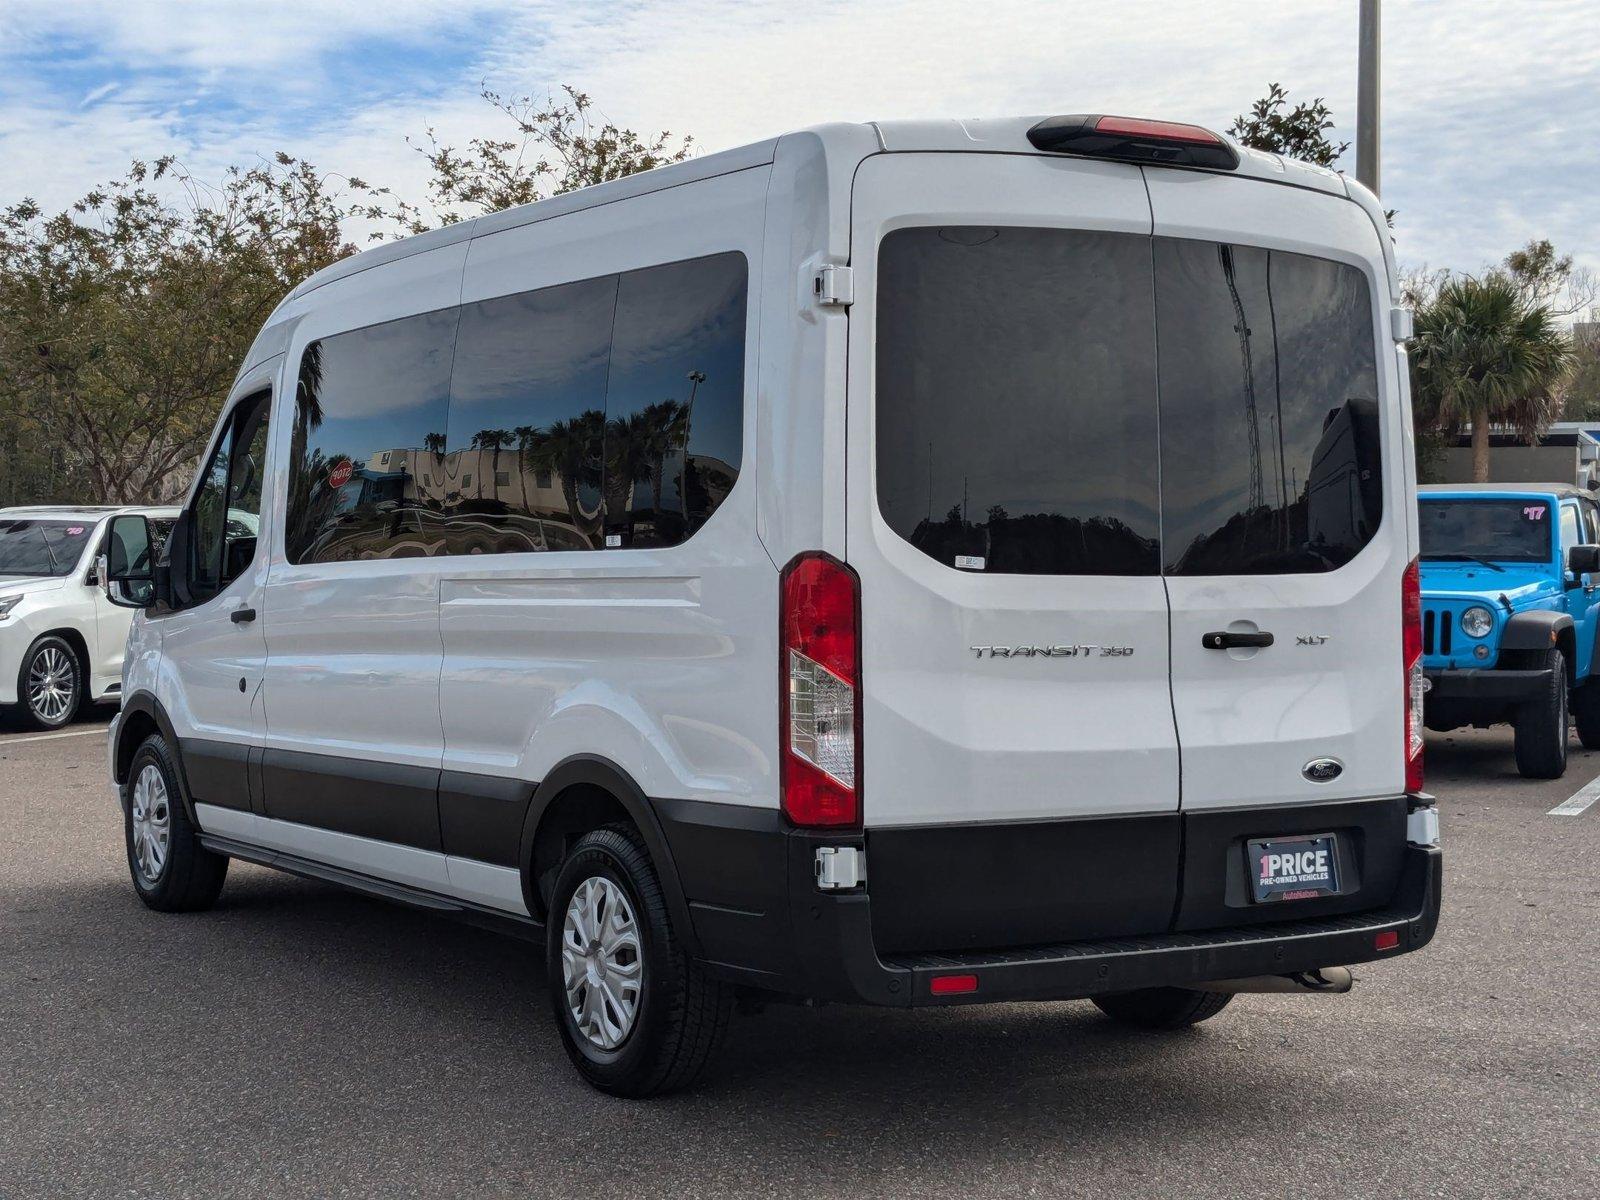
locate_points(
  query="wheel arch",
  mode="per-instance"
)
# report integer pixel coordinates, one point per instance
(585, 792)
(142, 715)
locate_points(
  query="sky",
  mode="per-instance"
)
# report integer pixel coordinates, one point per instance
(1488, 121)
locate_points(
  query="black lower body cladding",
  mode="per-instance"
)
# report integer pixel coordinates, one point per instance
(1042, 910)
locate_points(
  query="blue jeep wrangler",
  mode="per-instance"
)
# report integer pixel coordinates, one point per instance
(1510, 603)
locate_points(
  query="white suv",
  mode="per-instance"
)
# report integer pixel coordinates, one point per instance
(61, 641)
(914, 564)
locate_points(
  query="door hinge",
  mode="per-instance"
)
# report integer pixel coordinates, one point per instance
(833, 286)
(840, 867)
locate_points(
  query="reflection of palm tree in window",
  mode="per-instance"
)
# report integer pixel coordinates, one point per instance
(666, 431)
(571, 451)
(493, 440)
(524, 435)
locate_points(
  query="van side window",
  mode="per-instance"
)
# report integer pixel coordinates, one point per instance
(675, 400)
(527, 420)
(1270, 456)
(363, 395)
(227, 506)
(1016, 399)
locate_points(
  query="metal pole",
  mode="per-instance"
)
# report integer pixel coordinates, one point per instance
(1369, 151)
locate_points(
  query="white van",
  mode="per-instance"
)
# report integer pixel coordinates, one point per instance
(913, 564)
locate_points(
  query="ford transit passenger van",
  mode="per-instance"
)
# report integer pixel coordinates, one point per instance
(909, 564)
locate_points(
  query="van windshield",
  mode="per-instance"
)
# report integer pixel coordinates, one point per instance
(1484, 530)
(45, 548)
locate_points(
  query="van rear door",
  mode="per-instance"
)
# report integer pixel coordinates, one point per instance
(1020, 763)
(1283, 493)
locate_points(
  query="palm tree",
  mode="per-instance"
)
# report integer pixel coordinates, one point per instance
(571, 451)
(493, 440)
(525, 436)
(1486, 353)
(667, 425)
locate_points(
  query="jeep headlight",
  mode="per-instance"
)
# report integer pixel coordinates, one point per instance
(1477, 622)
(7, 603)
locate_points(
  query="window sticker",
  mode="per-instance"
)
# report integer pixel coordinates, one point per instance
(1534, 512)
(74, 530)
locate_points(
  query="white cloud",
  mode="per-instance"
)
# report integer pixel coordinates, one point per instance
(1488, 107)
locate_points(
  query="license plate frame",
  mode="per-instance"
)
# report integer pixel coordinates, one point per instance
(1313, 873)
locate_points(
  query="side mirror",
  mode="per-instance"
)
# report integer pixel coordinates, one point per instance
(1583, 560)
(97, 572)
(128, 575)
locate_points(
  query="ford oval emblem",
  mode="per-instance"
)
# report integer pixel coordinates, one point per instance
(1322, 770)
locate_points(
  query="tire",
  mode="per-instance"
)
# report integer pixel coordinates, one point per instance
(1586, 713)
(1541, 723)
(182, 876)
(50, 683)
(679, 1012)
(1163, 1007)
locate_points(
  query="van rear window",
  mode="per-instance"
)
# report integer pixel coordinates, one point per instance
(1025, 427)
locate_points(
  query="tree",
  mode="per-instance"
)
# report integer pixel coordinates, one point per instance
(124, 318)
(1299, 132)
(558, 146)
(1549, 278)
(1485, 352)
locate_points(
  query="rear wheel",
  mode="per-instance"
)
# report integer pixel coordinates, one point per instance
(172, 871)
(637, 1015)
(1586, 714)
(1541, 723)
(50, 684)
(1163, 1007)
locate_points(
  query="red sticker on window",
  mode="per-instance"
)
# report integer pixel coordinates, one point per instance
(1534, 512)
(74, 530)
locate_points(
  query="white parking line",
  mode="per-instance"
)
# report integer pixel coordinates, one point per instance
(1580, 800)
(50, 737)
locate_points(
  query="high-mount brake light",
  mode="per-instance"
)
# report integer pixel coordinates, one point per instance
(819, 700)
(1134, 139)
(1411, 661)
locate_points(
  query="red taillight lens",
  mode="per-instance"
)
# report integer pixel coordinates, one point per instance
(952, 985)
(819, 699)
(1411, 660)
(1166, 131)
(1387, 940)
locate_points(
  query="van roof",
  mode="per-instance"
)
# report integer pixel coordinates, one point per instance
(1004, 135)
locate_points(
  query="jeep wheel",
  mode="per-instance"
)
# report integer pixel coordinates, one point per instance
(1586, 714)
(1541, 724)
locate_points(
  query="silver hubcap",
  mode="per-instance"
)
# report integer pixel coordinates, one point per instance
(601, 963)
(152, 823)
(51, 685)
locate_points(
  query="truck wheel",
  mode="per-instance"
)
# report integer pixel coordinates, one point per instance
(637, 1015)
(1541, 724)
(172, 871)
(1162, 1007)
(1586, 714)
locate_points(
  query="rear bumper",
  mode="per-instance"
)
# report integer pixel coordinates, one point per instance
(845, 966)
(1489, 686)
(760, 919)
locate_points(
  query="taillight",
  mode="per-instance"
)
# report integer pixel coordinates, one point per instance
(1411, 659)
(820, 692)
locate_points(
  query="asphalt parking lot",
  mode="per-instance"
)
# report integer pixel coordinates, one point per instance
(302, 1041)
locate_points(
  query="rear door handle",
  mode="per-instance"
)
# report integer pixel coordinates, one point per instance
(1233, 641)
(240, 615)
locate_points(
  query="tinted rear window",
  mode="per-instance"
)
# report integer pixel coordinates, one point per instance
(1016, 407)
(1492, 530)
(1023, 426)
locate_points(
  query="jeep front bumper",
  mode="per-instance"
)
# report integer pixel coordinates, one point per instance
(1492, 685)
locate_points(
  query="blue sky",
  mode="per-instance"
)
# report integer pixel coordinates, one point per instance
(1490, 107)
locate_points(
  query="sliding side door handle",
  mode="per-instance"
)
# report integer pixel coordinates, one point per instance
(1235, 641)
(241, 615)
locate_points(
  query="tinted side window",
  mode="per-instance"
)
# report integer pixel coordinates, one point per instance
(369, 422)
(1016, 399)
(527, 415)
(675, 400)
(1570, 536)
(1270, 458)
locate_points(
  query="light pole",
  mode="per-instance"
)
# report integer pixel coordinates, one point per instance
(1368, 94)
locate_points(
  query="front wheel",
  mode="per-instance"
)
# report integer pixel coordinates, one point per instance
(637, 1015)
(1162, 1007)
(172, 871)
(1541, 723)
